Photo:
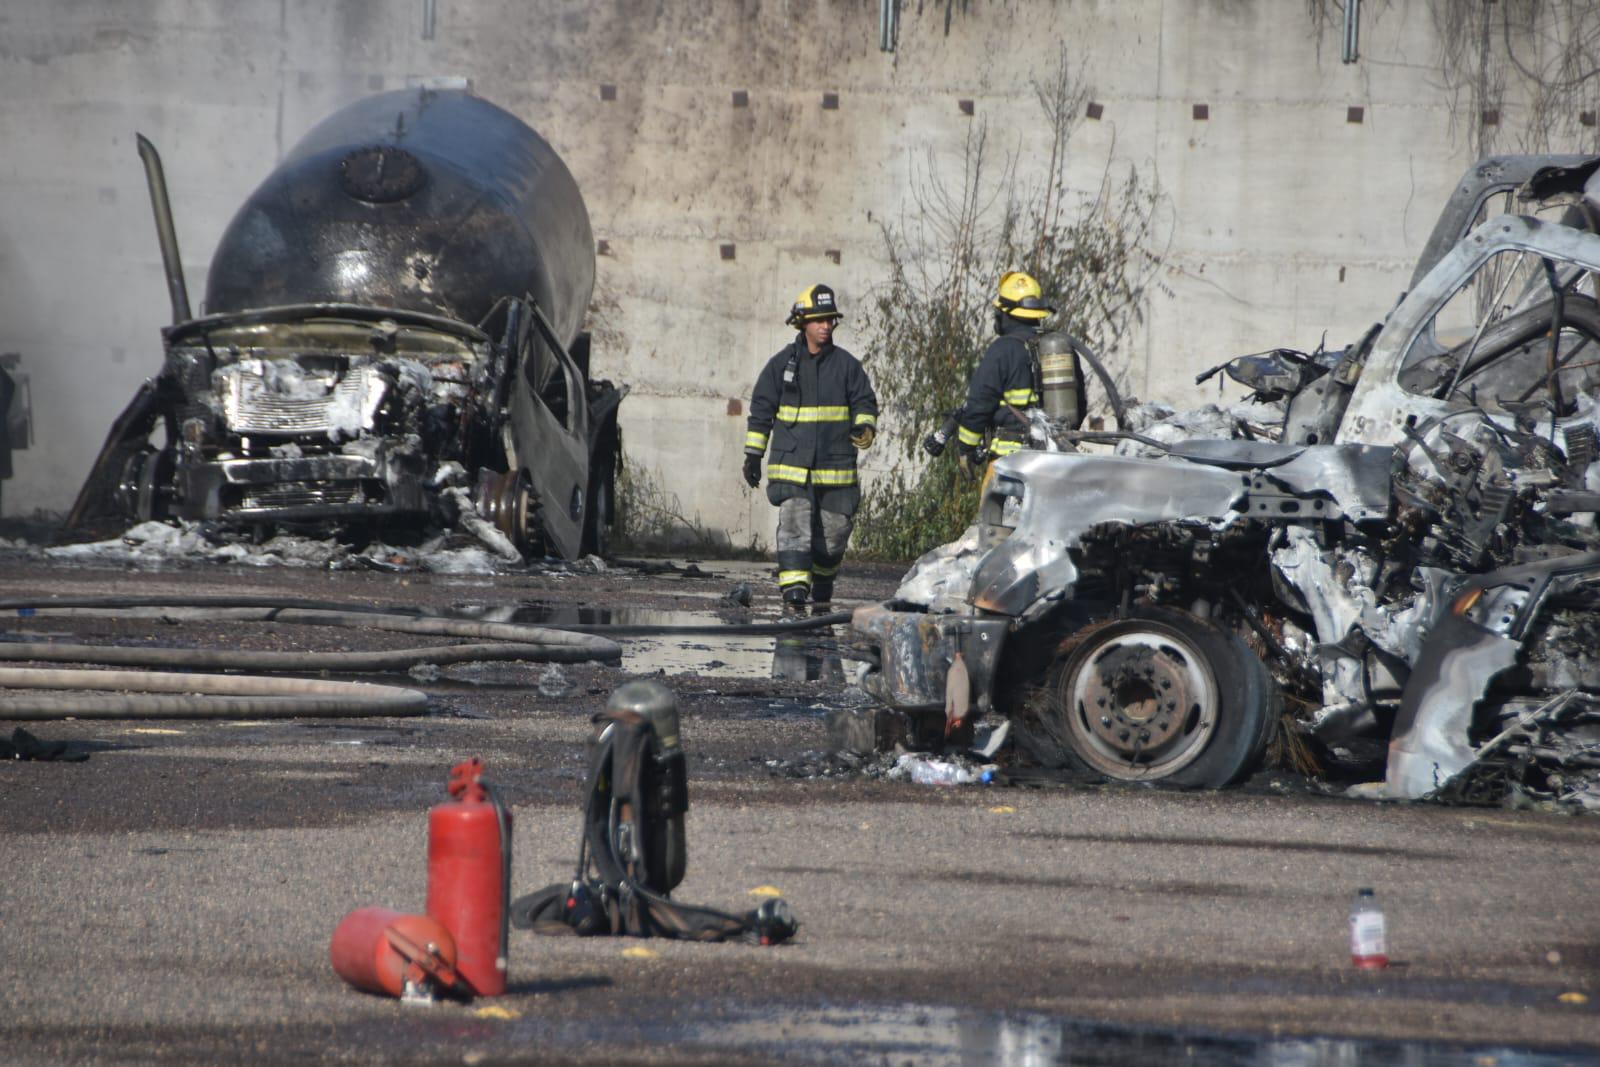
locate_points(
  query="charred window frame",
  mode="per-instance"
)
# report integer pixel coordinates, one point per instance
(1522, 330)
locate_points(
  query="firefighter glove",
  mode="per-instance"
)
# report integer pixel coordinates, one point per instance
(863, 436)
(752, 469)
(933, 445)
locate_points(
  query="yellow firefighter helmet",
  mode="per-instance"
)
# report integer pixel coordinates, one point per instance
(1020, 296)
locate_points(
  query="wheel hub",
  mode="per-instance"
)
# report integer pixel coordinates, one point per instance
(1137, 698)
(1138, 701)
(505, 501)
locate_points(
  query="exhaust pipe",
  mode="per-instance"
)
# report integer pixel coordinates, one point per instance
(170, 260)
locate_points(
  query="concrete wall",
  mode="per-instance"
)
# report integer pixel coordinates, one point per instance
(1280, 218)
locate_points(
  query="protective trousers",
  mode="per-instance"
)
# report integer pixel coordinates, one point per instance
(811, 544)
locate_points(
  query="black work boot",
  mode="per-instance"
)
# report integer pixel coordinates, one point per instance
(821, 591)
(794, 599)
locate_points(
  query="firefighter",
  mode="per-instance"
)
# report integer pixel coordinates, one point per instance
(815, 406)
(1006, 383)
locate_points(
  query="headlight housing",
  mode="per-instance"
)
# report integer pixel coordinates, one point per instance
(1001, 509)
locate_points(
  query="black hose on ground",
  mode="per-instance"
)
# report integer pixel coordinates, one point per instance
(551, 645)
(312, 612)
(159, 695)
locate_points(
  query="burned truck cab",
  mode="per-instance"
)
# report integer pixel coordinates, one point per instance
(309, 414)
(393, 330)
(1408, 553)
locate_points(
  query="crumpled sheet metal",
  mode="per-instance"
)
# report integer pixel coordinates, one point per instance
(1429, 746)
(1355, 476)
(1069, 493)
(940, 578)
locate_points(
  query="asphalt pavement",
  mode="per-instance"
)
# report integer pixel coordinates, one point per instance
(171, 897)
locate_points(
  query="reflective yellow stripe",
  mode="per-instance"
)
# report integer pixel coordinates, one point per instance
(788, 578)
(789, 413)
(834, 477)
(825, 572)
(969, 437)
(756, 440)
(864, 418)
(1020, 398)
(779, 472)
(1002, 447)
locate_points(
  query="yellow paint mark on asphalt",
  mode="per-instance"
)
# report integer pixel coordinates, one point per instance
(766, 891)
(1573, 998)
(1003, 809)
(495, 1011)
(639, 952)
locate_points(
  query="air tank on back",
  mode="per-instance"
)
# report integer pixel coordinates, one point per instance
(420, 200)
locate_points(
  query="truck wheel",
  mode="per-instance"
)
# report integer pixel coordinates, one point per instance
(1162, 696)
(602, 504)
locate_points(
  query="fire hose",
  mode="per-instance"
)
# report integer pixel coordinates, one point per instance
(155, 694)
(158, 695)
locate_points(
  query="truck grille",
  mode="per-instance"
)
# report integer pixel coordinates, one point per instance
(288, 496)
(279, 398)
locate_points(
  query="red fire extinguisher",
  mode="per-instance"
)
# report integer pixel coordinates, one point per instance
(378, 950)
(469, 876)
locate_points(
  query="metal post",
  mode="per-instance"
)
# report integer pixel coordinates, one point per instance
(888, 24)
(1352, 31)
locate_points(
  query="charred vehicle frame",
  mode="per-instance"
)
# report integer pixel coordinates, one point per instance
(394, 337)
(1412, 556)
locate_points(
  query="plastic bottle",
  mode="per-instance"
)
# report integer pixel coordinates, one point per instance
(1369, 943)
(938, 772)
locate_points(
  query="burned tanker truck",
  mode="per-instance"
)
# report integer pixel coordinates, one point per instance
(393, 333)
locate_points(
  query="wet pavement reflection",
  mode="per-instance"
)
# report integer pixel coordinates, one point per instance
(804, 656)
(936, 1035)
(932, 1036)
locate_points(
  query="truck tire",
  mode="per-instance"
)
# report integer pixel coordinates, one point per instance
(1161, 696)
(602, 503)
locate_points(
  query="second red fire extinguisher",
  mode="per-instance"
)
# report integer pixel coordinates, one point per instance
(469, 876)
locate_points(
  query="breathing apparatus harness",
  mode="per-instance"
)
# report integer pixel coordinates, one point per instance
(632, 852)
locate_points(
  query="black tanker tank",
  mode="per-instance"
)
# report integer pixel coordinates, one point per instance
(436, 202)
(393, 329)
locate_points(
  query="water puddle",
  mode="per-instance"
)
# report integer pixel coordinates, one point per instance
(712, 645)
(932, 1036)
(937, 1035)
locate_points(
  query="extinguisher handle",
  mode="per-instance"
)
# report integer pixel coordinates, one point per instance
(463, 776)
